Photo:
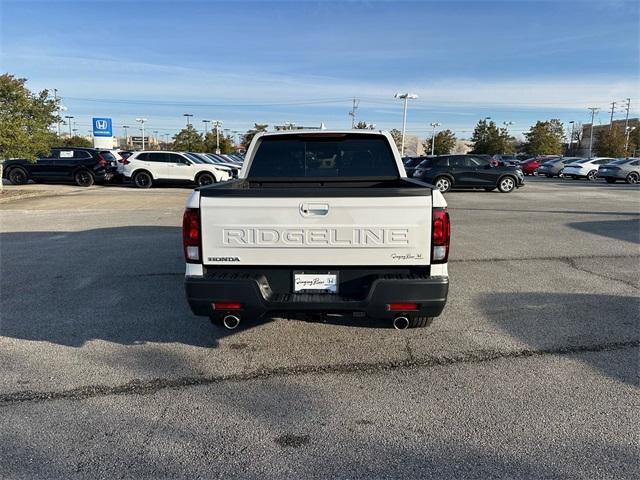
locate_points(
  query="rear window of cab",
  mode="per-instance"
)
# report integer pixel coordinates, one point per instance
(323, 156)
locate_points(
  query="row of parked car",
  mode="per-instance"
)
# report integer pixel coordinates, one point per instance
(86, 166)
(507, 173)
(611, 169)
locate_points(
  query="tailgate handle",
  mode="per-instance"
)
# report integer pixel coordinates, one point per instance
(314, 209)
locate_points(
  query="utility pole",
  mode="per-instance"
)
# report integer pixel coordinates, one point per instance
(353, 111)
(217, 124)
(613, 108)
(626, 118)
(405, 97)
(594, 110)
(433, 136)
(69, 118)
(141, 121)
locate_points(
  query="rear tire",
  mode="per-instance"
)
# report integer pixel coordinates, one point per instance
(592, 175)
(18, 176)
(632, 178)
(443, 184)
(83, 178)
(420, 322)
(507, 184)
(142, 180)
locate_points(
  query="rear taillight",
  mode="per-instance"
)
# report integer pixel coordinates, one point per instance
(191, 235)
(440, 235)
(402, 307)
(226, 306)
(101, 161)
(124, 161)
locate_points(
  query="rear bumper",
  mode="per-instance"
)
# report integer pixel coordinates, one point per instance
(430, 293)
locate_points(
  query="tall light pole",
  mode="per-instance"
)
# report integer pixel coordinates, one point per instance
(126, 136)
(433, 136)
(594, 110)
(141, 122)
(188, 115)
(570, 147)
(155, 137)
(405, 97)
(206, 127)
(217, 124)
(506, 127)
(69, 118)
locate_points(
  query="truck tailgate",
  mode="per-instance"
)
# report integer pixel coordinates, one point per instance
(345, 230)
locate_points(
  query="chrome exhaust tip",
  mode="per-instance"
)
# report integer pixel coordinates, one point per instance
(401, 323)
(230, 322)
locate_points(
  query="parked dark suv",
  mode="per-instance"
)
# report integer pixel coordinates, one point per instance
(84, 166)
(468, 171)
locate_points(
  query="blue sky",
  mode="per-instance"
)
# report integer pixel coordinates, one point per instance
(302, 62)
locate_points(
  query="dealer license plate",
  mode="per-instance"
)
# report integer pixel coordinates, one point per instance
(315, 282)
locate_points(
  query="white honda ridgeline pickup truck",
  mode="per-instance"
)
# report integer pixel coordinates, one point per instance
(318, 222)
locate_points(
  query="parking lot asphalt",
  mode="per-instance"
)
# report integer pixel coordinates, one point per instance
(531, 371)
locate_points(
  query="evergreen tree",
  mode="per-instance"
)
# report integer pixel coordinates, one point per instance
(444, 143)
(188, 140)
(247, 137)
(545, 138)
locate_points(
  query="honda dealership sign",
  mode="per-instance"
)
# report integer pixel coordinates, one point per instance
(102, 133)
(102, 127)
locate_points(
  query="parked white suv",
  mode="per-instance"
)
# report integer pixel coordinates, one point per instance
(145, 168)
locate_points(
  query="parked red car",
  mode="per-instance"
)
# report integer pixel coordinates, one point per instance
(531, 165)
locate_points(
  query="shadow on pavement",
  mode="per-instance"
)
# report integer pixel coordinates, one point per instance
(626, 230)
(570, 321)
(122, 285)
